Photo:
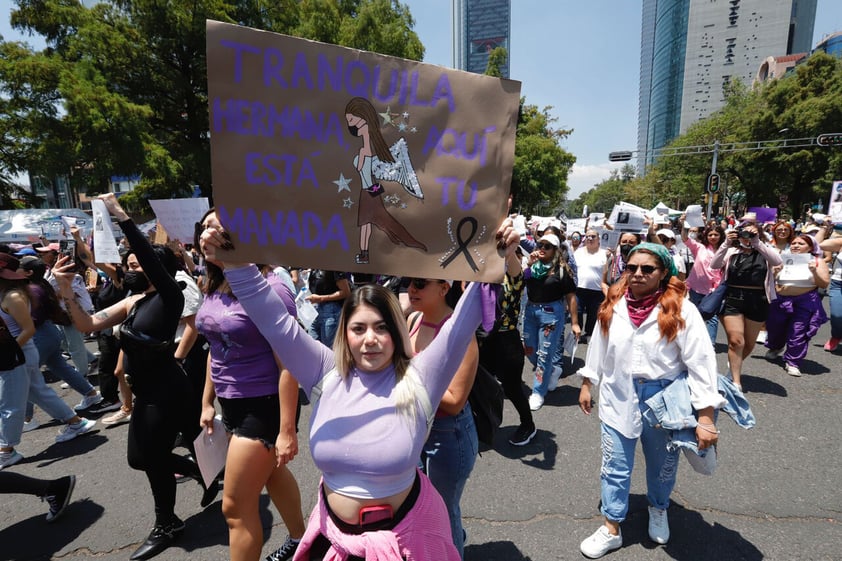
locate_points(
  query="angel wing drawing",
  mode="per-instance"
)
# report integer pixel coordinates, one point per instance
(400, 171)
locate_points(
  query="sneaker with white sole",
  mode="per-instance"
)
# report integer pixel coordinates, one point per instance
(58, 496)
(88, 401)
(659, 526)
(793, 370)
(285, 552)
(523, 435)
(71, 431)
(9, 458)
(601, 542)
(119, 416)
(761, 337)
(772, 354)
(31, 424)
(535, 401)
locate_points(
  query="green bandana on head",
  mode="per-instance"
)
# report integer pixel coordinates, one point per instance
(662, 253)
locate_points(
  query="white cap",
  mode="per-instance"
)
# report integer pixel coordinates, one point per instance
(552, 239)
(666, 232)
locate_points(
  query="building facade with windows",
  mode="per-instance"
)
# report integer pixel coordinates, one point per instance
(692, 49)
(479, 27)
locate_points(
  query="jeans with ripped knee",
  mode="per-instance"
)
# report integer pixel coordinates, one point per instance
(618, 462)
(543, 325)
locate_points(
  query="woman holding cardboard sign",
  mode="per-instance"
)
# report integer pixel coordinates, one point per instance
(373, 501)
(362, 120)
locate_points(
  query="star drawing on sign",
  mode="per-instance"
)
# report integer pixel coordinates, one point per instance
(387, 116)
(402, 127)
(405, 115)
(347, 203)
(342, 183)
(413, 129)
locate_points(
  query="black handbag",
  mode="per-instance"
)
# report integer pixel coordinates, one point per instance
(486, 399)
(711, 305)
(11, 355)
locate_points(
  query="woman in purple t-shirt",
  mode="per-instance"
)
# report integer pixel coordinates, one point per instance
(259, 401)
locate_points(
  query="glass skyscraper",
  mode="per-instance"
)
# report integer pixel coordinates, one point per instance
(480, 26)
(691, 49)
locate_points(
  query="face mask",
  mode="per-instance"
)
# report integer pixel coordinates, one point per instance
(692, 235)
(354, 130)
(625, 249)
(136, 282)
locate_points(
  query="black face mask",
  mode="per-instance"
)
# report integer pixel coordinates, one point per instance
(136, 282)
(625, 249)
(354, 130)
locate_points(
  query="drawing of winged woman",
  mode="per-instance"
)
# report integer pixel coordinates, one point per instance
(376, 161)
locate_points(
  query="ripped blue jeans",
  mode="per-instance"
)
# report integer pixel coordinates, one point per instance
(543, 326)
(618, 462)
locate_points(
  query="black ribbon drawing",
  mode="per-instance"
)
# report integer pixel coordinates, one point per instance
(463, 244)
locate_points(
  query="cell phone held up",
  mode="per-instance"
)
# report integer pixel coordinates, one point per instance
(67, 248)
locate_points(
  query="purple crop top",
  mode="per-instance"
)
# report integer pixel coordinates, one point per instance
(359, 441)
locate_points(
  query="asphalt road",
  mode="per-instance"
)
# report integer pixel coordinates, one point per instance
(776, 495)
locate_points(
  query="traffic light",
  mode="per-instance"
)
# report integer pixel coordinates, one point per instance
(713, 183)
(830, 139)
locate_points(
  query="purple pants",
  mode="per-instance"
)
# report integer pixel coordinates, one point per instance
(793, 321)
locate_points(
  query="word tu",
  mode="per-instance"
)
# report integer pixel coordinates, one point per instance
(306, 231)
(355, 77)
(459, 194)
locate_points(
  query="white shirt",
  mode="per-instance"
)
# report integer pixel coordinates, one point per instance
(629, 352)
(192, 300)
(590, 267)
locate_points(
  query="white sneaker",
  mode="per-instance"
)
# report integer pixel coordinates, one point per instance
(88, 401)
(772, 354)
(761, 337)
(659, 526)
(32, 424)
(70, 431)
(600, 543)
(9, 458)
(536, 401)
(64, 385)
(793, 370)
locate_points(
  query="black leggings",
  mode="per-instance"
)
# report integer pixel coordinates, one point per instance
(11, 482)
(162, 411)
(589, 301)
(501, 353)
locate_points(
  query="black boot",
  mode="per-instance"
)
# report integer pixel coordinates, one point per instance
(210, 493)
(161, 537)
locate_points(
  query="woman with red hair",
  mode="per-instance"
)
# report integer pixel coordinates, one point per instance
(646, 339)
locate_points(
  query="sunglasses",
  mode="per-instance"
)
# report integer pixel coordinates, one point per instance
(420, 284)
(590, 237)
(546, 246)
(645, 269)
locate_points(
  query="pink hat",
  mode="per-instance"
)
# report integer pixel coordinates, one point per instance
(52, 247)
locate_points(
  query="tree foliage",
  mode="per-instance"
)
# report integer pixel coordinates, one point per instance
(539, 177)
(802, 104)
(121, 87)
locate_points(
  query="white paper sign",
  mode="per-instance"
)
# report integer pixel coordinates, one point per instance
(211, 451)
(609, 239)
(693, 217)
(105, 247)
(520, 224)
(835, 204)
(627, 217)
(576, 225)
(595, 220)
(796, 270)
(179, 216)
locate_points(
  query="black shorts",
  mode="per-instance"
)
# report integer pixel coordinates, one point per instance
(747, 302)
(257, 418)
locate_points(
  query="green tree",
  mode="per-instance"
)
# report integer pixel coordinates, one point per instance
(121, 87)
(539, 177)
(496, 60)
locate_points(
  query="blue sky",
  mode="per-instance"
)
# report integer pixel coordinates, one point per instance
(580, 57)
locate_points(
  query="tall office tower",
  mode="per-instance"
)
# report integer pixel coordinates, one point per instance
(691, 49)
(480, 26)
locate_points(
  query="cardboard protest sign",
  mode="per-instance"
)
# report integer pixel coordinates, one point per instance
(627, 217)
(329, 157)
(576, 225)
(179, 216)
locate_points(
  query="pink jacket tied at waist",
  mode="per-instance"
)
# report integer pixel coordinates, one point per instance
(423, 534)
